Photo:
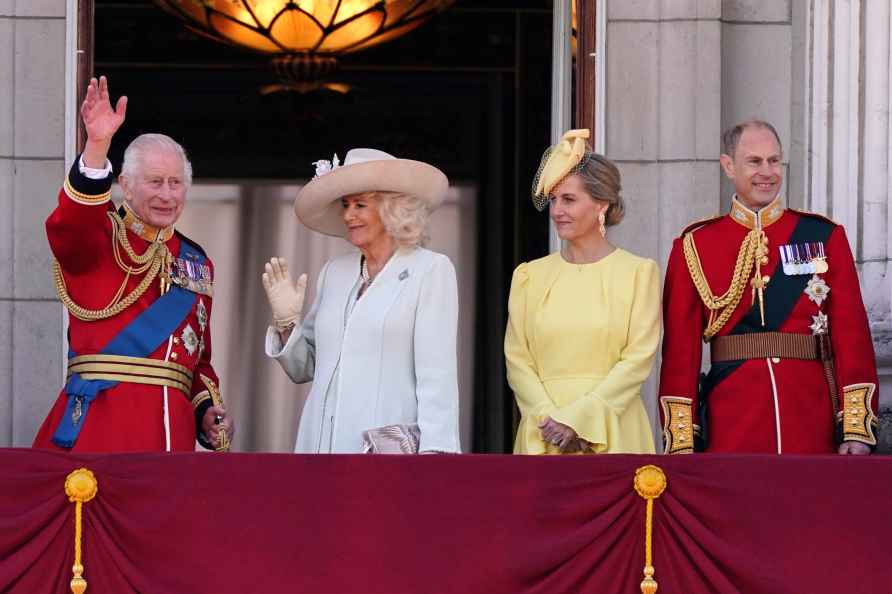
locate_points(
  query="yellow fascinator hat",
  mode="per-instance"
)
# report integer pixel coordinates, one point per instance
(566, 157)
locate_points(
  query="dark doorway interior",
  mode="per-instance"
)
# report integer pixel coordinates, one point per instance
(468, 91)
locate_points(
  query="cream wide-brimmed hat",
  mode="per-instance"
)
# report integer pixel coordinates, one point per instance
(364, 170)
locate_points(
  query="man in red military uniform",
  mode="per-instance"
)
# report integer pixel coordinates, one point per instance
(139, 299)
(775, 293)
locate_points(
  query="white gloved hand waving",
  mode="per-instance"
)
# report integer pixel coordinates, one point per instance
(286, 298)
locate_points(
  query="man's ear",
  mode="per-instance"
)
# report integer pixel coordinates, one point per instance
(124, 182)
(727, 165)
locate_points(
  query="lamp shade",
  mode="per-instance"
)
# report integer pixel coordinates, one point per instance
(317, 27)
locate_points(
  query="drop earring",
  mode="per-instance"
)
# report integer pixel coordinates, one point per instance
(602, 228)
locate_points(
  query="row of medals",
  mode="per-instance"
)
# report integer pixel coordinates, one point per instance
(803, 258)
(189, 275)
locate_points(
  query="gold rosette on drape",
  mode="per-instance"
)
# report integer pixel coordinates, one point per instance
(81, 487)
(650, 482)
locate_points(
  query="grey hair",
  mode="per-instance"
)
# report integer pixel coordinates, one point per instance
(404, 217)
(135, 150)
(731, 136)
(601, 179)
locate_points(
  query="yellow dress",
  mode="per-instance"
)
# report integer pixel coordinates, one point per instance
(581, 340)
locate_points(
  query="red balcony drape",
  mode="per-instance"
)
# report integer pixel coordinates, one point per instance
(246, 523)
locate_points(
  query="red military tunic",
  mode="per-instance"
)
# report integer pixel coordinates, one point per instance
(128, 416)
(768, 405)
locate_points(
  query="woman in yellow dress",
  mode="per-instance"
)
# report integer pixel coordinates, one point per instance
(583, 323)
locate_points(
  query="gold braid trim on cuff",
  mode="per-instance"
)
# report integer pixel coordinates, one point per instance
(723, 306)
(678, 425)
(85, 199)
(199, 398)
(858, 420)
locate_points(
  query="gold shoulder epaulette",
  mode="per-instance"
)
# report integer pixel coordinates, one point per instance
(814, 214)
(701, 223)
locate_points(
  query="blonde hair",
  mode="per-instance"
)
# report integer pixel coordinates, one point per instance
(404, 217)
(601, 179)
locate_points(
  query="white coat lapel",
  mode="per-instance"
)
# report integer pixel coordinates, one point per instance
(390, 282)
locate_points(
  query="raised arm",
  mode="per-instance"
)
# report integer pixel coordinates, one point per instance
(291, 341)
(75, 228)
(101, 122)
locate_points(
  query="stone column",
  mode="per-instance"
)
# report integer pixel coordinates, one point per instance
(663, 114)
(756, 72)
(32, 148)
(848, 160)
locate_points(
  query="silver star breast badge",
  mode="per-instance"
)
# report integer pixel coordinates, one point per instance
(820, 324)
(190, 339)
(817, 289)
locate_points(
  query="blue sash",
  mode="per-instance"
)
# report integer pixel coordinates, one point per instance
(140, 338)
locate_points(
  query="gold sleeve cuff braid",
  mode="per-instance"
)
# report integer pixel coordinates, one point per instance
(678, 425)
(199, 398)
(86, 199)
(858, 420)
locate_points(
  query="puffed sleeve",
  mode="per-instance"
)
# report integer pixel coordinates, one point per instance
(523, 377)
(298, 356)
(593, 416)
(436, 367)
(682, 353)
(853, 351)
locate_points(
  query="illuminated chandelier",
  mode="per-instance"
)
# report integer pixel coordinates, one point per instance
(303, 36)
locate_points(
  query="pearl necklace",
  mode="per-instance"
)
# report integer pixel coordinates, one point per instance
(364, 273)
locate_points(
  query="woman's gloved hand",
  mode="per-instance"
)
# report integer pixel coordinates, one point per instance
(286, 298)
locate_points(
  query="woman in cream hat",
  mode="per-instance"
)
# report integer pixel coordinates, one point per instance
(379, 342)
(583, 323)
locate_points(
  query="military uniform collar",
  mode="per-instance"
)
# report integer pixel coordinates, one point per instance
(767, 215)
(148, 232)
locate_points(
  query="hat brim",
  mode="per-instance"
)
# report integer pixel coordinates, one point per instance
(317, 203)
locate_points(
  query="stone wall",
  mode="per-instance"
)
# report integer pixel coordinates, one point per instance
(32, 145)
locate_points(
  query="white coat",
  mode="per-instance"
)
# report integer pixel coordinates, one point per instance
(393, 359)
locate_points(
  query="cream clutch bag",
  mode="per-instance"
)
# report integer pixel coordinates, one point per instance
(391, 439)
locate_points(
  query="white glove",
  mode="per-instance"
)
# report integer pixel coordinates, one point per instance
(286, 298)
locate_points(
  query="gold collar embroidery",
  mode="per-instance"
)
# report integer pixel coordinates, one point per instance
(750, 219)
(148, 232)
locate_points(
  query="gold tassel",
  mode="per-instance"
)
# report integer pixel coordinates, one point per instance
(650, 482)
(81, 487)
